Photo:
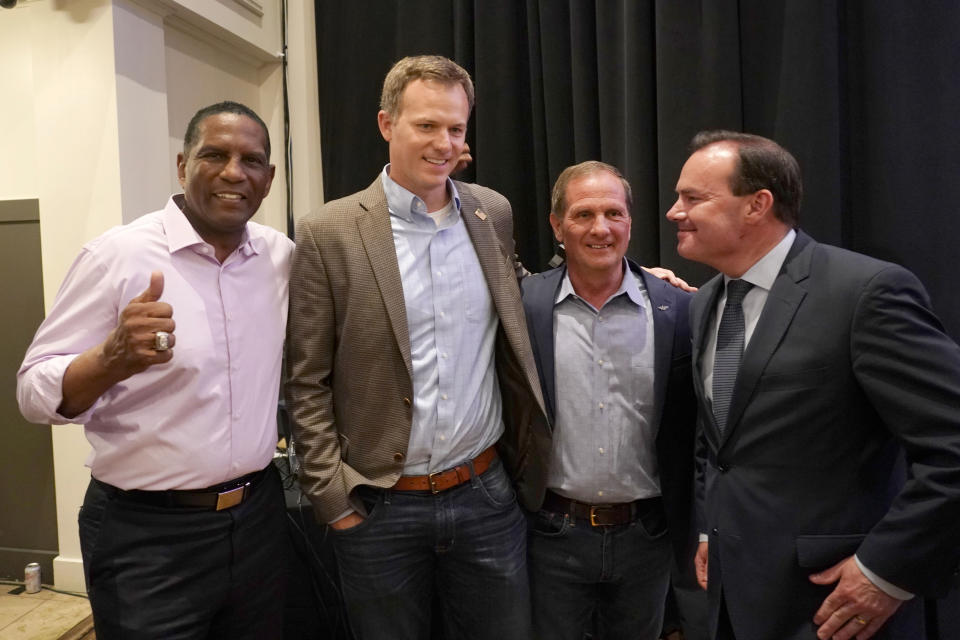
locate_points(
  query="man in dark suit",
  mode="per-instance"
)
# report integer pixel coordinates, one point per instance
(412, 386)
(612, 346)
(818, 372)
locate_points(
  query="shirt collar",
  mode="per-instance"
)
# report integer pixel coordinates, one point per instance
(765, 270)
(403, 203)
(630, 285)
(181, 234)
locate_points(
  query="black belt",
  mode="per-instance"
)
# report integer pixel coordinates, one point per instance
(599, 515)
(215, 498)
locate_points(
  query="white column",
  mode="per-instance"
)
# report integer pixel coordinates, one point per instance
(78, 170)
(102, 159)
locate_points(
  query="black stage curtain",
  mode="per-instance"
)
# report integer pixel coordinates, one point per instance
(865, 94)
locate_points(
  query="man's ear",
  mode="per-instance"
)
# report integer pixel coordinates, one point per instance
(385, 122)
(181, 169)
(761, 205)
(557, 228)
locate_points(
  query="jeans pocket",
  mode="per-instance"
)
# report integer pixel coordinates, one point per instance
(549, 524)
(496, 486)
(653, 523)
(374, 502)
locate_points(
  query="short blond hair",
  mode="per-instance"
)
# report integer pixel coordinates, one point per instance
(405, 71)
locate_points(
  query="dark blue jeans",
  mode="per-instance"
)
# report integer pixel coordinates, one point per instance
(464, 547)
(182, 573)
(607, 583)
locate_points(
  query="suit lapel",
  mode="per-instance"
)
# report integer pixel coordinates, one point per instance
(486, 245)
(702, 307)
(542, 294)
(663, 308)
(376, 234)
(778, 312)
(506, 299)
(502, 282)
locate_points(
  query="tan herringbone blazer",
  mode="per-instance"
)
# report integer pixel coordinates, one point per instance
(349, 388)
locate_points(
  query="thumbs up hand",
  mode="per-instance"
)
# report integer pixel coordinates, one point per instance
(132, 346)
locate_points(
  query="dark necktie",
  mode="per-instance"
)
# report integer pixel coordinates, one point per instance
(726, 362)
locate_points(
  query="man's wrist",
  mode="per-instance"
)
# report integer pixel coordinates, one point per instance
(888, 588)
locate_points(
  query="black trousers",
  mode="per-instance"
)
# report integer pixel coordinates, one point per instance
(179, 573)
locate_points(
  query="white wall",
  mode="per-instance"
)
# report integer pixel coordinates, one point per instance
(97, 95)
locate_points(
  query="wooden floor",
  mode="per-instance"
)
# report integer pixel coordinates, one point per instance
(46, 615)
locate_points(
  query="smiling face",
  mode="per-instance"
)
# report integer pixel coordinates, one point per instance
(711, 221)
(225, 176)
(426, 138)
(595, 228)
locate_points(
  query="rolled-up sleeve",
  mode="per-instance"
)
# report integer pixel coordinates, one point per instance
(84, 312)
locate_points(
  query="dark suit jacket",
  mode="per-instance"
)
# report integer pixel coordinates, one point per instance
(847, 367)
(350, 385)
(674, 401)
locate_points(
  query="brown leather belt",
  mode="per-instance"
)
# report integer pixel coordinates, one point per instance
(598, 515)
(443, 480)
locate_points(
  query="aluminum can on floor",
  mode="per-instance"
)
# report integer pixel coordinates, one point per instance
(31, 578)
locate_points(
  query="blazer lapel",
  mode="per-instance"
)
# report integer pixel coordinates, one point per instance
(663, 307)
(781, 306)
(506, 299)
(543, 293)
(376, 234)
(702, 307)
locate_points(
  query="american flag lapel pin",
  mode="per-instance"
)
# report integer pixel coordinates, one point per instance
(480, 214)
(663, 307)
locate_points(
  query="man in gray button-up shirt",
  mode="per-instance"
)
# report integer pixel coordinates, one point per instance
(612, 346)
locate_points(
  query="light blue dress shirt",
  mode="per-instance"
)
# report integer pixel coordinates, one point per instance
(453, 327)
(604, 445)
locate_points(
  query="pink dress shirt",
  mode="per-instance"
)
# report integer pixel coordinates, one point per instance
(208, 415)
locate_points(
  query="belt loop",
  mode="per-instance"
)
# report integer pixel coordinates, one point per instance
(474, 477)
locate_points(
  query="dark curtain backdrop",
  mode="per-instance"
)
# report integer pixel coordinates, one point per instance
(865, 94)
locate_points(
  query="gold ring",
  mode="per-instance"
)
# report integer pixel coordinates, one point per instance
(861, 620)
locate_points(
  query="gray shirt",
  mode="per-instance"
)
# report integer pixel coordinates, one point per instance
(604, 437)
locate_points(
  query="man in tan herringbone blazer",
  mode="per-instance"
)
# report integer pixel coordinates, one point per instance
(412, 385)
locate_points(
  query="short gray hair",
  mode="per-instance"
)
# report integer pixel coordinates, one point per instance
(558, 201)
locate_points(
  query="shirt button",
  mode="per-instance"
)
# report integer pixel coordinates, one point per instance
(443, 355)
(600, 404)
(443, 437)
(599, 361)
(398, 457)
(600, 493)
(443, 396)
(600, 449)
(439, 273)
(442, 314)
